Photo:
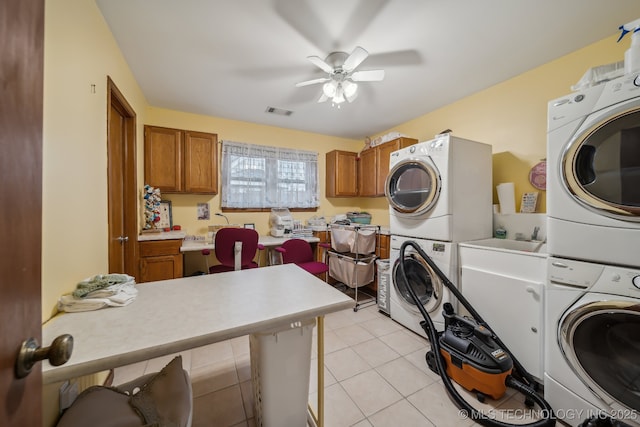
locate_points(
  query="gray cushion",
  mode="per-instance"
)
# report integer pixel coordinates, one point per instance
(164, 399)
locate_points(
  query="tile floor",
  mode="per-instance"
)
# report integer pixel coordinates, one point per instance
(375, 375)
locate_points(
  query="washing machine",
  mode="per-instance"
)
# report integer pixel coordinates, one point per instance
(428, 286)
(593, 166)
(592, 324)
(441, 190)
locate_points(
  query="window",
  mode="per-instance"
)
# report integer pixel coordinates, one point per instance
(257, 176)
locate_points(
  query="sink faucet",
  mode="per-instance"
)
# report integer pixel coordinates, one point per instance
(534, 236)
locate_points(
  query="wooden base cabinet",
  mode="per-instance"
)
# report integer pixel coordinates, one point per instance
(180, 161)
(160, 260)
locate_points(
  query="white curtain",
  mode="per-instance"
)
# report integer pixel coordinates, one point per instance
(258, 176)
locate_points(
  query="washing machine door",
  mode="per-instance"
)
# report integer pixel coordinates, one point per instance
(601, 166)
(421, 277)
(413, 186)
(601, 342)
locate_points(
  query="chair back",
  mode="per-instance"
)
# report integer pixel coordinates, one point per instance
(297, 251)
(225, 241)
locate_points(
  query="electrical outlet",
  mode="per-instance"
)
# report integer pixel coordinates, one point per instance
(68, 394)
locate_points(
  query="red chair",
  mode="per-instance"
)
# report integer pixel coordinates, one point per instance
(224, 249)
(300, 253)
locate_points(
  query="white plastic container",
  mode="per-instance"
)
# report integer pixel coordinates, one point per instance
(280, 365)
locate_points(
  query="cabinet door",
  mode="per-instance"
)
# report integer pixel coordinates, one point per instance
(200, 162)
(368, 167)
(160, 260)
(342, 174)
(162, 267)
(163, 158)
(513, 309)
(384, 244)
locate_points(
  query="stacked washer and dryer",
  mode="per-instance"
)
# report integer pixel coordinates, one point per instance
(592, 299)
(439, 194)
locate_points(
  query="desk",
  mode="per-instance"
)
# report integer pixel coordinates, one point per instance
(269, 243)
(170, 316)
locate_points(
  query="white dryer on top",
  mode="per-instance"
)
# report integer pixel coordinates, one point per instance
(441, 190)
(593, 187)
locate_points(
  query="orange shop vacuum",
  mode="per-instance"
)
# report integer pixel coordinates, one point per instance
(469, 353)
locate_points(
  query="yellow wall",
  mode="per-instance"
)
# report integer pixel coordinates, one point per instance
(79, 52)
(512, 116)
(184, 207)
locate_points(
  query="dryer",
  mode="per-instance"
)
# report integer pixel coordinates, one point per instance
(429, 288)
(593, 183)
(441, 190)
(592, 342)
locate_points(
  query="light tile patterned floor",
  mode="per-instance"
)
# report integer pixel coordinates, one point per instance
(375, 375)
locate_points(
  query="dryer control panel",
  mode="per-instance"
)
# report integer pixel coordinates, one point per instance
(606, 279)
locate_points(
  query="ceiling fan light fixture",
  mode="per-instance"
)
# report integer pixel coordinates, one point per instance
(330, 88)
(338, 98)
(350, 88)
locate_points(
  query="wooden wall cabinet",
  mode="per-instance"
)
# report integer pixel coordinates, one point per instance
(180, 161)
(160, 260)
(373, 166)
(341, 174)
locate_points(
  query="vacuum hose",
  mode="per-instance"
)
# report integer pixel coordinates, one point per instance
(525, 388)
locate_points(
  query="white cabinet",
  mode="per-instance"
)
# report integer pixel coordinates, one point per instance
(506, 287)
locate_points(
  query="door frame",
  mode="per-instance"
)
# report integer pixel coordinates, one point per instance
(116, 99)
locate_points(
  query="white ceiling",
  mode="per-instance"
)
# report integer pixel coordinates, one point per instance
(235, 58)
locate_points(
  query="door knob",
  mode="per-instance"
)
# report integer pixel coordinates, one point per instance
(123, 239)
(58, 354)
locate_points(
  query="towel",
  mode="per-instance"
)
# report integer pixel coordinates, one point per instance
(100, 281)
(117, 294)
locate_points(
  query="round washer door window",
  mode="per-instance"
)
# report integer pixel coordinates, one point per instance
(601, 167)
(425, 283)
(601, 341)
(412, 187)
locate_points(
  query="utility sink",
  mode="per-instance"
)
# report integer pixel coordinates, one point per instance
(511, 245)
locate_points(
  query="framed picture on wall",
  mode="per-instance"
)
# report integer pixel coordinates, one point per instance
(250, 225)
(166, 216)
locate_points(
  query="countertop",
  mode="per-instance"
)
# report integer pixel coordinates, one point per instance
(163, 235)
(170, 316)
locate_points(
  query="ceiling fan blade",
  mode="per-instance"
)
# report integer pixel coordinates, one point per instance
(320, 63)
(360, 19)
(301, 17)
(367, 76)
(313, 82)
(357, 56)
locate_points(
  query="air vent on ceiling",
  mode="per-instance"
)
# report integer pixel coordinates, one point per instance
(279, 111)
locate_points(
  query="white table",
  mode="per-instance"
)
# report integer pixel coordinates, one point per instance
(170, 316)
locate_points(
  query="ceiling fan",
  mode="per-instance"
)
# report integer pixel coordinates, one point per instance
(341, 84)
